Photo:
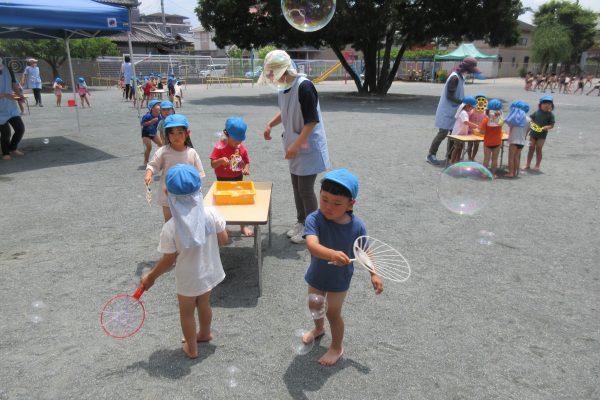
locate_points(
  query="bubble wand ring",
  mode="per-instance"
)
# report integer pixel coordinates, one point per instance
(123, 315)
(380, 259)
(148, 194)
(535, 127)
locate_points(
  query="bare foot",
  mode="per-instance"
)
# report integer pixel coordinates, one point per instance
(17, 153)
(536, 168)
(526, 167)
(509, 175)
(331, 357)
(6, 157)
(312, 335)
(188, 352)
(247, 231)
(201, 338)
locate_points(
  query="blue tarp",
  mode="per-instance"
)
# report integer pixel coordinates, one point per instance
(45, 19)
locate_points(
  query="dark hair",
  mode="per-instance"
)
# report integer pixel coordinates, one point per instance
(188, 141)
(335, 189)
(127, 59)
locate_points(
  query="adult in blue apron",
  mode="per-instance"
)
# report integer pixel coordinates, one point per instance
(32, 80)
(10, 115)
(128, 77)
(304, 139)
(451, 98)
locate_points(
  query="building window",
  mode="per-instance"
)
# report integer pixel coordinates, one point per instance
(523, 41)
(526, 60)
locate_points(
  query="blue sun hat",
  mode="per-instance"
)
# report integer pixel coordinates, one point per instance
(236, 128)
(183, 179)
(166, 105)
(176, 120)
(344, 178)
(523, 106)
(81, 80)
(494, 105)
(517, 116)
(547, 99)
(469, 100)
(152, 103)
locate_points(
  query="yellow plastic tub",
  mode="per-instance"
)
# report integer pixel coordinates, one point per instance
(239, 192)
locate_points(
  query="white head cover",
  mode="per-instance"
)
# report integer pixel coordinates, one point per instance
(277, 62)
(190, 220)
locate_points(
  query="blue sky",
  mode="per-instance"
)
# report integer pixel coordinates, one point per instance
(186, 8)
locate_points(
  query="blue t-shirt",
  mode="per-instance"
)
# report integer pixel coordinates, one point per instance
(149, 130)
(320, 274)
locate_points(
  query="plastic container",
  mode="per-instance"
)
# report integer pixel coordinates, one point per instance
(238, 192)
(71, 103)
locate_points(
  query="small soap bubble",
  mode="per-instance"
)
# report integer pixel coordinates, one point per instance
(232, 376)
(308, 15)
(317, 305)
(46, 141)
(465, 188)
(298, 346)
(486, 238)
(38, 311)
(3, 395)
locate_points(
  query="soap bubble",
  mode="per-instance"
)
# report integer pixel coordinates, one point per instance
(486, 238)
(308, 15)
(3, 395)
(317, 305)
(465, 187)
(46, 141)
(232, 376)
(38, 312)
(298, 345)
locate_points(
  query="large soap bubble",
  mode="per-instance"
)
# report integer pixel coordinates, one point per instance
(308, 15)
(465, 188)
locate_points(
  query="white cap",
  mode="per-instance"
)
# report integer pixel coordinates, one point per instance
(277, 62)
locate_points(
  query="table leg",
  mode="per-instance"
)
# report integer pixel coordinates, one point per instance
(501, 154)
(258, 244)
(269, 216)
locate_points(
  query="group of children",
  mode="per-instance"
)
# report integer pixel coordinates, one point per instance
(152, 82)
(192, 234)
(81, 87)
(477, 116)
(564, 83)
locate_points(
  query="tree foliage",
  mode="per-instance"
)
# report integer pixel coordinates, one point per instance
(367, 26)
(579, 26)
(551, 44)
(53, 51)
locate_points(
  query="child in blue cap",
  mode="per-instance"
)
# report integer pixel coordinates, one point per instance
(462, 125)
(166, 109)
(542, 121)
(330, 232)
(83, 91)
(518, 125)
(58, 88)
(177, 150)
(229, 157)
(149, 123)
(192, 238)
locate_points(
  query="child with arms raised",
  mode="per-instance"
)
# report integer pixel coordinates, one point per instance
(177, 150)
(518, 123)
(330, 233)
(229, 157)
(192, 238)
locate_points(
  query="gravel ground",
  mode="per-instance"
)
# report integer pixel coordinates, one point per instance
(517, 319)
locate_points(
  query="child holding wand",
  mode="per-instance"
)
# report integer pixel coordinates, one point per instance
(330, 232)
(541, 122)
(462, 125)
(192, 238)
(491, 126)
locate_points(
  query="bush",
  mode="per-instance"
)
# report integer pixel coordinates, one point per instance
(441, 75)
(522, 72)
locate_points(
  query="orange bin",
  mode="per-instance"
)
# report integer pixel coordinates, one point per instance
(71, 103)
(238, 192)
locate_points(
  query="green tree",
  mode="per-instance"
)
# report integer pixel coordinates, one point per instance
(551, 44)
(53, 51)
(263, 51)
(367, 26)
(579, 25)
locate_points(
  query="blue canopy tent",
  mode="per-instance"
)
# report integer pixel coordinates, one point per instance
(64, 19)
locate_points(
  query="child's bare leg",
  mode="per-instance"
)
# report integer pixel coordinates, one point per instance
(246, 231)
(167, 213)
(81, 100)
(538, 152)
(486, 156)
(511, 161)
(530, 152)
(319, 329)
(156, 139)
(87, 101)
(204, 318)
(147, 148)
(495, 153)
(187, 310)
(475, 149)
(335, 300)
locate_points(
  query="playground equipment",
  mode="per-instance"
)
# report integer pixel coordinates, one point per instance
(327, 72)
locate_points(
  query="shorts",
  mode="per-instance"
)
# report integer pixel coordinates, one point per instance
(231, 178)
(148, 135)
(538, 135)
(493, 147)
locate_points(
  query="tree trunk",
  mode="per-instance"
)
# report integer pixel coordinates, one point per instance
(349, 70)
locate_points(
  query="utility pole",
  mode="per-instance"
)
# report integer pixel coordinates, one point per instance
(164, 23)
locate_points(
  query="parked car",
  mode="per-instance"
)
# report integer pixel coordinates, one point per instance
(215, 70)
(256, 74)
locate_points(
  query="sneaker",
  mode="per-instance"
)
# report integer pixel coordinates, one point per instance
(432, 159)
(298, 239)
(298, 228)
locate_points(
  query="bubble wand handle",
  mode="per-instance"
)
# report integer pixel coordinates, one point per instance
(138, 293)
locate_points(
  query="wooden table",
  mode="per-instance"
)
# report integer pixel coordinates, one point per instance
(464, 139)
(17, 98)
(157, 93)
(256, 214)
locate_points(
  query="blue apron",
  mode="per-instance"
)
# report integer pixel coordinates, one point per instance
(446, 109)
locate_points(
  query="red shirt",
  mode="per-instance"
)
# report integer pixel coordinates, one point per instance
(224, 171)
(492, 134)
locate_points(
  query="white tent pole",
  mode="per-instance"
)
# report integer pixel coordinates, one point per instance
(73, 84)
(134, 83)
